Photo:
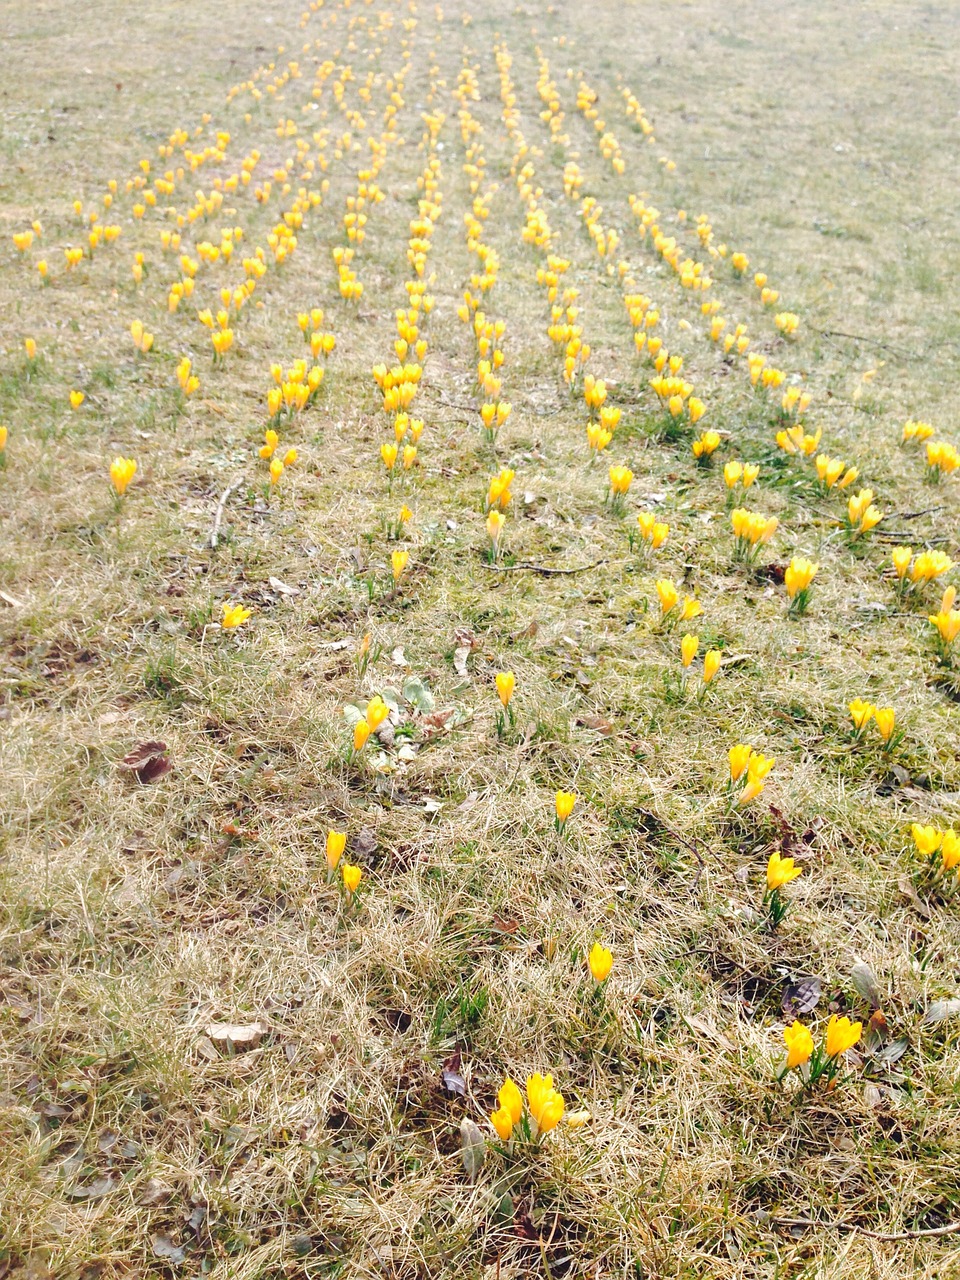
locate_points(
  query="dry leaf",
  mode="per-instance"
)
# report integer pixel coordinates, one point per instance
(149, 761)
(863, 978)
(229, 1038)
(163, 1247)
(460, 656)
(95, 1190)
(705, 1028)
(473, 1149)
(453, 1081)
(940, 1010)
(154, 1193)
(801, 996)
(283, 588)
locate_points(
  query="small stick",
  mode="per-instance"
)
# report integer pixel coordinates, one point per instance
(859, 337)
(215, 531)
(701, 865)
(542, 568)
(947, 1229)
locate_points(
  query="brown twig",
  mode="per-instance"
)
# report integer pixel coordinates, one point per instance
(949, 1228)
(873, 342)
(687, 844)
(543, 569)
(225, 497)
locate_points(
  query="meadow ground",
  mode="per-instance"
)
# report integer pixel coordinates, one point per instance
(218, 1060)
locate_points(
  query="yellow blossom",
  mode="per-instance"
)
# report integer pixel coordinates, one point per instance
(600, 961)
(233, 615)
(502, 1123)
(336, 843)
(780, 871)
(799, 1043)
(351, 877)
(842, 1034)
(901, 560)
(668, 595)
(861, 713)
(711, 664)
(688, 649)
(505, 682)
(799, 574)
(398, 562)
(927, 839)
(565, 800)
(546, 1104)
(620, 479)
(739, 759)
(76, 399)
(885, 719)
(122, 471)
(361, 732)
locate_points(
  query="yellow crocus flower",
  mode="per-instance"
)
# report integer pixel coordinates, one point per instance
(688, 649)
(505, 682)
(781, 871)
(351, 877)
(361, 732)
(927, 839)
(799, 574)
(668, 595)
(842, 1034)
(502, 1123)
(233, 616)
(861, 713)
(950, 849)
(799, 1043)
(739, 756)
(388, 452)
(511, 1100)
(122, 471)
(377, 712)
(901, 560)
(600, 961)
(336, 843)
(711, 664)
(398, 562)
(564, 802)
(885, 719)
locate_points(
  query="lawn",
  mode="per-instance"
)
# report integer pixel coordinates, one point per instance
(525, 643)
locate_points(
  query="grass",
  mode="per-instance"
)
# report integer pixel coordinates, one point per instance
(136, 916)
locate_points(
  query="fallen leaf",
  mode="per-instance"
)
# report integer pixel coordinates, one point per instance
(460, 656)
(800, 996)
(229, 1038)
(283, 588)
(600, 723)
(149, 761)
(453, 1081)
(418, 695)
(473, 1149)
(364, 843)
(337, 644)
(95, 1190)
(12, 601)
(163, 1247)
(154, 1193)
(398, 657)
(865, 982)
(705, 1028)
(940, 1010)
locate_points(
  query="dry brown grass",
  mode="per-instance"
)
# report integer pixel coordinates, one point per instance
(136, 915)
